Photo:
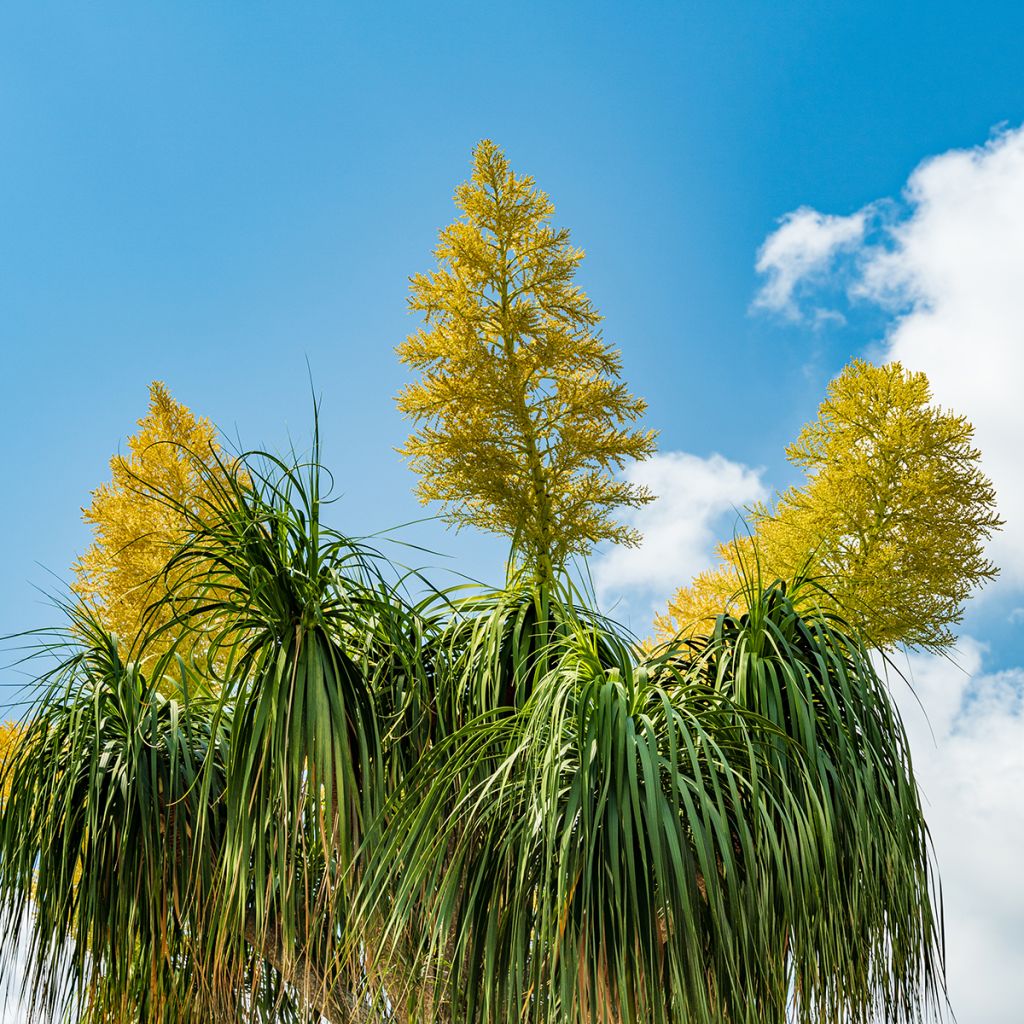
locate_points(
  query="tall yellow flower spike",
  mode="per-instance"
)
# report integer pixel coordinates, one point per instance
(135, 528)
(521, 417)
(892, 520)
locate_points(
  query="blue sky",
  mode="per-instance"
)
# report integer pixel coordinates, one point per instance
(211, 195)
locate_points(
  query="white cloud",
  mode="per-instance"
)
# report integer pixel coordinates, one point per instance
(802, 249)
(958, 262)
(697, 501)
(950, 267)
(969, 760)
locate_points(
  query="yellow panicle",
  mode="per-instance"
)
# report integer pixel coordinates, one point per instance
(892, 519)
(137, 517)
(522, 420)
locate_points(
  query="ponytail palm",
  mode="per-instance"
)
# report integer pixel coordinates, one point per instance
(480, 809)
(291, 794)
(243, 901)
(714, 834)
(321, 659)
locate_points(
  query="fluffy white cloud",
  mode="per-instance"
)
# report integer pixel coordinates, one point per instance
(969, 759)
(801, 250)
(697, 501)
(957, 262)
(949, 264)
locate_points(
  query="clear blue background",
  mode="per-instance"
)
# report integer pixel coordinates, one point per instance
(211, 194)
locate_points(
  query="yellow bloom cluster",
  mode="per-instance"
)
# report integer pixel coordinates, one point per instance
(892, 519)
(522, 418)
(140, 517)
